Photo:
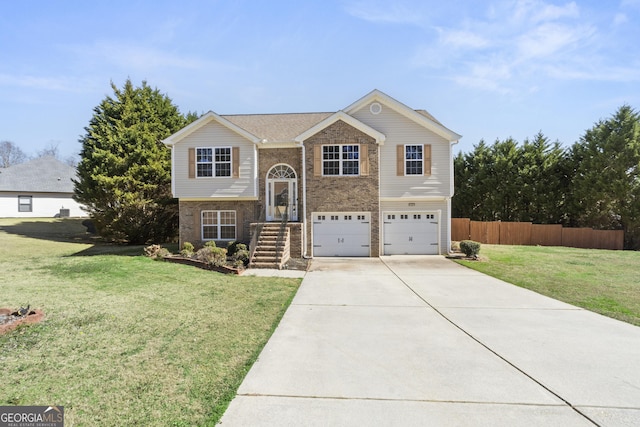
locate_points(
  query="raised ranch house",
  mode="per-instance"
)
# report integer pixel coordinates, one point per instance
(40, 188)
(375, 178)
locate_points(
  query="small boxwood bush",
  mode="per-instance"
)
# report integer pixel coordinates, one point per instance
(212, 255)
(187, 250)
(470, 248)
(234, 247)
(242, 255)
(156, 251)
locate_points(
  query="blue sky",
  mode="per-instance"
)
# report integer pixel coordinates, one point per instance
(485, 69)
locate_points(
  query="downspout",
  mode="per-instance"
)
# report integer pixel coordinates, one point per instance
(256, 184)
(173, 172)
(451, 193)
(304, 200)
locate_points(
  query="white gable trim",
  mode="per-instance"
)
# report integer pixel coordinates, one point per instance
(404, 110)
(205, 119)
(341, 115)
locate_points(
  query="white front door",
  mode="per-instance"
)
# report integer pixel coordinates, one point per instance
(281, 199)
(282, 193)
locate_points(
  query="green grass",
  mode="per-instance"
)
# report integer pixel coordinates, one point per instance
(607, 282)
(126, 340)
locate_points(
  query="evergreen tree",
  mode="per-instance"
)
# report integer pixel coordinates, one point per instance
(606, 176)
(124, 172)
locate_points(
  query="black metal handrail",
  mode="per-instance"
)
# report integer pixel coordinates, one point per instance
(281, 233)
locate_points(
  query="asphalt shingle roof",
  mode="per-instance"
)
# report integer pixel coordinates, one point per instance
(277, 127)
(285, 127)
(44, 174)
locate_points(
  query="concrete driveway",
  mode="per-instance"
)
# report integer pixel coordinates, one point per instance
(420, 340)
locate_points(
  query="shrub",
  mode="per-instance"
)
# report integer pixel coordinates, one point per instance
(212, 255)
(156, 251)
(210, 244)
(470, 248)
(187, 250)
(242, 255)
(234, 247)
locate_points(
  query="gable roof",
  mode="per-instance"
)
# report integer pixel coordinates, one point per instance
(277, 127)
(342, 116)
(295, 127)
(41, 175)
(202, 121)
(421, 117)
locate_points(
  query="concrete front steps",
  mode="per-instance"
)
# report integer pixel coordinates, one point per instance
(266, 254)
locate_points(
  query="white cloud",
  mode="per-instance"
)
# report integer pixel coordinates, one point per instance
(547, 39)
(534, 11)
(519, 45)
(550, 12)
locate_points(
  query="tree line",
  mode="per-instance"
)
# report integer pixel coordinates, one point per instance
(124, 173)
(594, 183)
(11, 154)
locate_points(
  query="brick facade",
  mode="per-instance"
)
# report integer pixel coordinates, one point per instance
(344, 193)
(190, 214)
(324, 193)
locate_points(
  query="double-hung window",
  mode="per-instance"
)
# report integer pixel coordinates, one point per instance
(341, 160)
(414, 160)
(218, 225)
(213, 162)
(25, 204)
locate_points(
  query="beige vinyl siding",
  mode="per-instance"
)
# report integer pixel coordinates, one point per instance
(424, 206)
(214, 135)
(400, 130)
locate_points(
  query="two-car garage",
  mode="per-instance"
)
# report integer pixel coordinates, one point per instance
(348, 234)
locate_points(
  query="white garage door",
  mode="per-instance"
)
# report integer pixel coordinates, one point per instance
(410, 233)
(341, 234)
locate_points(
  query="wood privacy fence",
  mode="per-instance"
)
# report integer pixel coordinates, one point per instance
(526, 233)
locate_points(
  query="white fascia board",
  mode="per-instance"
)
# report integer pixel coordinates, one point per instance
(404, 110)
(203, 120)
(351, 121)
(218, 199)
(414, 199)
(285, 144)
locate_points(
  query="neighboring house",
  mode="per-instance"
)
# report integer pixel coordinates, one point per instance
(40, 188)
(373, 179)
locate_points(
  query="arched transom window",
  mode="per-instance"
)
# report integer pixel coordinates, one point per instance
(280, 172)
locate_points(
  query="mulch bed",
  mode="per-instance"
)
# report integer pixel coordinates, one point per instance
(202, 265)
(11, 319)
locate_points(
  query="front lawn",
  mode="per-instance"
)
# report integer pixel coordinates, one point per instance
(607, 282)
(126, 340)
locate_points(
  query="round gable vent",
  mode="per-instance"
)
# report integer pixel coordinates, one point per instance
(375, 108)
